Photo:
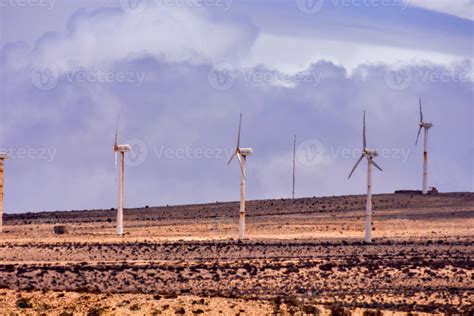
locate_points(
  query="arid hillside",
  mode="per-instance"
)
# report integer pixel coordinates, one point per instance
(302, 255)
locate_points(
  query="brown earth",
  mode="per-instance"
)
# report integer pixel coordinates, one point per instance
(301, 256)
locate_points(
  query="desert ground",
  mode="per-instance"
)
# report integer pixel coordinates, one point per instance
(302, 256)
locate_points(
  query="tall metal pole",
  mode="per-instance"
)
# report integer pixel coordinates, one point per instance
(425, 163)
(120, 195)
(1, 193)
(294, 167)
(368, 213)
(242, 200)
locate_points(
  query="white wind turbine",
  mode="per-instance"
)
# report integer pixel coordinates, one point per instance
(3, 156)
(242, 154)
(426, 127)
(120, 150)
(370, 155)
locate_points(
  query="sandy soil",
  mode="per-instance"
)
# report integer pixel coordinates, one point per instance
(301, 256)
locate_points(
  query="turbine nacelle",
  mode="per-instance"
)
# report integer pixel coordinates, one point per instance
(122, 148)
(245, 151)
(426, 125)
(369, 153)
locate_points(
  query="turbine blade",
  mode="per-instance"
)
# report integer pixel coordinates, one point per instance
(364, 141)
(232, 157)
(241, 166)
(238, 134)
(418, 137)
(116, 131)
(421, 112)
(356, 165)
(375, 164)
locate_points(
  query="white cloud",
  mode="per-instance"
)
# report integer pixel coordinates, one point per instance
(95, 39)
(296, 54)
(461, 8)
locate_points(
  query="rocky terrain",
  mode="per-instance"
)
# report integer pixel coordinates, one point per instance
(301, 256)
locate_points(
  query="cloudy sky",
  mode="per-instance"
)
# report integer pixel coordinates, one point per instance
(179, 72)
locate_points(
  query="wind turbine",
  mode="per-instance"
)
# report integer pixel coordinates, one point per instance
(3, 156)
(120, 150)
(369, 155)
(427, 127)
(242, 154)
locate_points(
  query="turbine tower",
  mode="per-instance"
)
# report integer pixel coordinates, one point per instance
(120, 150)
(3, 156)
(426, 127)
(242, 154)
(369, 155)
